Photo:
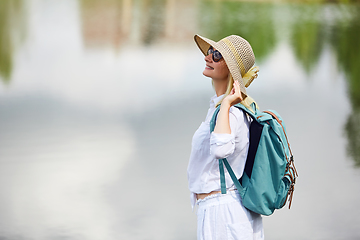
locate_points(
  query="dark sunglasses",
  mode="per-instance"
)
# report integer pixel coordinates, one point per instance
(216, 55)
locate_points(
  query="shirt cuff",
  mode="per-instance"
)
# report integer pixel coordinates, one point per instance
(221, 138)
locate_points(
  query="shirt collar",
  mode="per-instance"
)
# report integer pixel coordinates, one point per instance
(215, 99)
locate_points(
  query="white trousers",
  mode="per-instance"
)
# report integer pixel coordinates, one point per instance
(223, 217)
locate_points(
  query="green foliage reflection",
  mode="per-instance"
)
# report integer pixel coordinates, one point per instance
(345, 39)
(5, 41)
(307, 28)
(252, 21)
(153, 20)
(307, 38)
(11, 23)
(352, 129)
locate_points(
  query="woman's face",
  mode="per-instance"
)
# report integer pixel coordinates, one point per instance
(216, 70)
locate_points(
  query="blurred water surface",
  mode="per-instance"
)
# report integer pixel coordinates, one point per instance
(99, 101)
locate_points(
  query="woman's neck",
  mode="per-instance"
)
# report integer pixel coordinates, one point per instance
(220, 87)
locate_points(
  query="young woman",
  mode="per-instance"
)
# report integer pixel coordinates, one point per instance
(229, 63)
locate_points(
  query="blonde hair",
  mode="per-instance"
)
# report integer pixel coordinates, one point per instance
(247, 100)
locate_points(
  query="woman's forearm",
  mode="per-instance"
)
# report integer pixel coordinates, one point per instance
(222, 121)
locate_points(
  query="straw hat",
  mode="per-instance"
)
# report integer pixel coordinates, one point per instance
(238, 55)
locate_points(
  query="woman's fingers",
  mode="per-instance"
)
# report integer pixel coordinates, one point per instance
(237, 90)
(234, 96)
(237, 86)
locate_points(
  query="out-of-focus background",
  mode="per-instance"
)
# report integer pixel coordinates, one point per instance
(99, 100)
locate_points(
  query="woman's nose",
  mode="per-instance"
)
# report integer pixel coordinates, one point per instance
(208, 58)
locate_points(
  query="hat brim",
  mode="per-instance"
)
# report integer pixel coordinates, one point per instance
(204, 45)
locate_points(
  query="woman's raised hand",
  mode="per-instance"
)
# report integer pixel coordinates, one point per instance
(234, 96)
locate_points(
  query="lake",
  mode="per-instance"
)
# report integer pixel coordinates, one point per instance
(99, 101)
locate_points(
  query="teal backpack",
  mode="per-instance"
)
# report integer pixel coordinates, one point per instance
(269, 175)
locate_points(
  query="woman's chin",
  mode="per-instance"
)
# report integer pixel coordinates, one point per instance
(207, 72)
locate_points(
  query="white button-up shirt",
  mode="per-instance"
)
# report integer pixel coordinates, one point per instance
(203, 169)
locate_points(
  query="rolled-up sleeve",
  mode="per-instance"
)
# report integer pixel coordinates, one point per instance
(222, 145)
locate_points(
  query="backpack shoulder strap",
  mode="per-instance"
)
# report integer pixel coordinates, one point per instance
(252, 114)
(213, 119)
(239, 106)
(223, 161)
(282, 126)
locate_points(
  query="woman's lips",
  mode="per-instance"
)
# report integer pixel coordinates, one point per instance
(208, 67)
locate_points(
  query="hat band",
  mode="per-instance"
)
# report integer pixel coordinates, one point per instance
(236, 54)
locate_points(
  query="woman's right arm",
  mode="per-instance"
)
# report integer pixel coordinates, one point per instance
(222, 141)
(222, 122)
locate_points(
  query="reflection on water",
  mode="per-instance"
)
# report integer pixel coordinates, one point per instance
(106, 22)
(253, 21)
(99, 103)
(308, 36)
(115, 23)
(308, 27)
(345, 40)
(353, 134)
(12, 31)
